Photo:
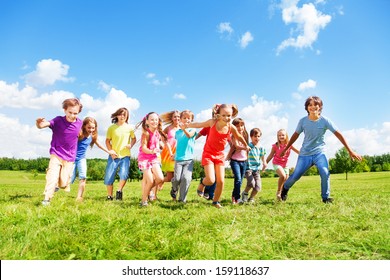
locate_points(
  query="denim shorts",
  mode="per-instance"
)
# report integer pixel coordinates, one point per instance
(112, 166)
(80, 166)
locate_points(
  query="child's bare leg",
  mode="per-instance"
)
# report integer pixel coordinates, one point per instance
(110, 189)
(158, 179)
(80, 194)
(220, 177)
(147, 183)
(209, 178)
(282, 178)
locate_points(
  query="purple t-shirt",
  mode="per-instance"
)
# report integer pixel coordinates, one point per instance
(65, 136)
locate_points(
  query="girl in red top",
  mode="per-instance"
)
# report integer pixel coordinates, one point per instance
(280, 162)
(213, 157)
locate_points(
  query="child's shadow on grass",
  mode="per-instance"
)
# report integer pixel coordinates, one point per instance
(19, 196)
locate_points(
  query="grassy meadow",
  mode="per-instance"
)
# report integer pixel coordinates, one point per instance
(354, 227)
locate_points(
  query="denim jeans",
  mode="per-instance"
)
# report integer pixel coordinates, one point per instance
(210, 190)
(238, 168)
(303, 164)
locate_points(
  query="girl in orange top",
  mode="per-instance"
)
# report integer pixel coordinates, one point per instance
(213, 157)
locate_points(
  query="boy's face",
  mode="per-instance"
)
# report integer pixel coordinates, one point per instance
(71, 113)
(255, 139)
(122, 118)
(186, 118)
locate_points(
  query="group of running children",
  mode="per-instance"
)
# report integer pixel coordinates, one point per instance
(171, 151)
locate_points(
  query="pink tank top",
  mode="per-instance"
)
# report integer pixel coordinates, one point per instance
(278, 160)
(154, 141)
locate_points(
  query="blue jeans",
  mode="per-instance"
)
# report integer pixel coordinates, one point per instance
(303, 164)
(238, 168)
(210, 190)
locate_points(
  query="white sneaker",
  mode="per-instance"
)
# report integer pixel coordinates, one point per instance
(251, 200)
(244, 196)
(46, 202)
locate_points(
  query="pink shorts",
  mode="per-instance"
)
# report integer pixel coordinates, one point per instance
(148, 164)
(208, 158)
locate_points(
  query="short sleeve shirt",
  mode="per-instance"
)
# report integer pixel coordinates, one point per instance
(64, 139)
(313, 142)
(120, 137)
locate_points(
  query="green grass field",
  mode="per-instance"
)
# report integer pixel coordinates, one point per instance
(355, 227)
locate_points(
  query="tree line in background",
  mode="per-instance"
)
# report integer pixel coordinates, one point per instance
(96, 167)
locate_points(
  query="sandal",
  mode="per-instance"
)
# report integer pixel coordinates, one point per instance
(216, 204)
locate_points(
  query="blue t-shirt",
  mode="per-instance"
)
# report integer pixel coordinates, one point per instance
(82, 146)
(184, 145)
(314, 131)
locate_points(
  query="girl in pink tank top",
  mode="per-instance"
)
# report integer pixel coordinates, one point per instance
(152, 139)
(213, 156)
(280, 162)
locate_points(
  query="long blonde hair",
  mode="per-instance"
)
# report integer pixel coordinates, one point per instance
(167, 118)
(277, 137)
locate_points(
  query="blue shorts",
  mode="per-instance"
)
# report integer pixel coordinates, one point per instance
(112, 166)
(80, 166)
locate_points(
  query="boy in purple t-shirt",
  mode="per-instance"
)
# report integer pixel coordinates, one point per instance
(63, 146)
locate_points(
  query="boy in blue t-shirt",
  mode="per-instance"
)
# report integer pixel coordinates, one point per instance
(312, 153)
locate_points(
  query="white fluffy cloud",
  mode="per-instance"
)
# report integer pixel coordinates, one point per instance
(48, 72)
(27, 141)
(308, 20)
(28, 97)
(225, 29)
(179, 96)
(245, 39)
(307, 85)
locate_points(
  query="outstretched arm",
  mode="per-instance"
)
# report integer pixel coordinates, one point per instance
(292, 140)
(42, 123)
(207, 123)
(352, 154)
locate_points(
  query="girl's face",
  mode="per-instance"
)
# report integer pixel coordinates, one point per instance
(313, 108)
(71, 113)
(282, 136)
(240, 127)
(186, 119)
(225, 114)
(153, 121)
(255, 139)
(176, 118)
(90, 128)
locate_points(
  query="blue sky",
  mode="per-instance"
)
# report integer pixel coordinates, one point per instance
(265, 56)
